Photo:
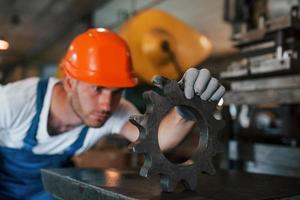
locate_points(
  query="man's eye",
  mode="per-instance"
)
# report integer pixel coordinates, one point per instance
(98, 89)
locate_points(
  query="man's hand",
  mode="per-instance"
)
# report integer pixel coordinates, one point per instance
(195, 83)
(199, 83)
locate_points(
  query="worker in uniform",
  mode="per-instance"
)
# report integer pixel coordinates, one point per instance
(44, 122)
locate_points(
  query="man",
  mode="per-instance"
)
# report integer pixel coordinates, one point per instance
(45, 122)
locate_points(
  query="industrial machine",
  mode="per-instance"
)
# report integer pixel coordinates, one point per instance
(264, 87)
(160, 44)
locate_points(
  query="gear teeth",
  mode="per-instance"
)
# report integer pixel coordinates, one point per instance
(159, 81)
(208, 167)
(147, 166)
(190, 182)
(154, 162)
(210, 106)
(131, 147)
(153, 171)
(150, 167)
(144, 172)
(220, 124)
(136, 119)
(219, 147)
(170, 87)
(173, 89)
(148, 171)
(154, 97)
(151, 98)
(137, 147)
(167, 183)
(146, 97)
(213, 146)
(217, 124)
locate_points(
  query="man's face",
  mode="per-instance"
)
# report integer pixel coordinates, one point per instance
(94, 104)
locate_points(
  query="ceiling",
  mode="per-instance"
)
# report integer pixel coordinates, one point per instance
(38, 28)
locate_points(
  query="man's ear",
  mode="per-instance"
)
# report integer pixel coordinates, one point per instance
(69, 83)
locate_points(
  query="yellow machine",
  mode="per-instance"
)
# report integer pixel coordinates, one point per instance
(162, 44)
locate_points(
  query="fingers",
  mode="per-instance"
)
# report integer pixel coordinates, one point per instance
(189, 80)
(212, 86)
(202, 82)
(218, 93)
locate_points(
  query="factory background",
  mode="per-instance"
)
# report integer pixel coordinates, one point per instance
(253, 49)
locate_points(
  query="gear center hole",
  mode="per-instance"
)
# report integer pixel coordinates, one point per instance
(193, 143)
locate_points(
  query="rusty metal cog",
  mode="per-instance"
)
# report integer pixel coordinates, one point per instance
(155, 162)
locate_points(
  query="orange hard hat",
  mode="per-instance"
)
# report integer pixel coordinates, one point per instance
(99, 56)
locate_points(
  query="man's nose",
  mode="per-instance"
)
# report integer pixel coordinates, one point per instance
(106, 101)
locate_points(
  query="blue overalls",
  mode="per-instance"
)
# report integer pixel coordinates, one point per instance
(20, 176)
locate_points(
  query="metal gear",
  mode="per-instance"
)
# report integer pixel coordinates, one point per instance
(155, 162)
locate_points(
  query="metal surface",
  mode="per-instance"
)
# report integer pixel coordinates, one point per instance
(276, 89)
(90, 184)
(277, 96)
(155, 162)
(276, 82)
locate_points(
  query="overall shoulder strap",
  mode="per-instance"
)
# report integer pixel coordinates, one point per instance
(30, 139)
(78, 143)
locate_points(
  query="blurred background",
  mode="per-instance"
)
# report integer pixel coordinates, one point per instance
(251, 46)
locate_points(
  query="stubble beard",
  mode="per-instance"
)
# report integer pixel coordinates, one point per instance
(77, 108)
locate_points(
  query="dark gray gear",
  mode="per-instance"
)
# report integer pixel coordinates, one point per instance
(147, 143)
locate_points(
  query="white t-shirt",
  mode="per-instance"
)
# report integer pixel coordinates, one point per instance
(18, 107)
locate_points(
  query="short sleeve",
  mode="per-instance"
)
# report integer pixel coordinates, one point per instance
(17, 102)
(5, 118)
(121, 116)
